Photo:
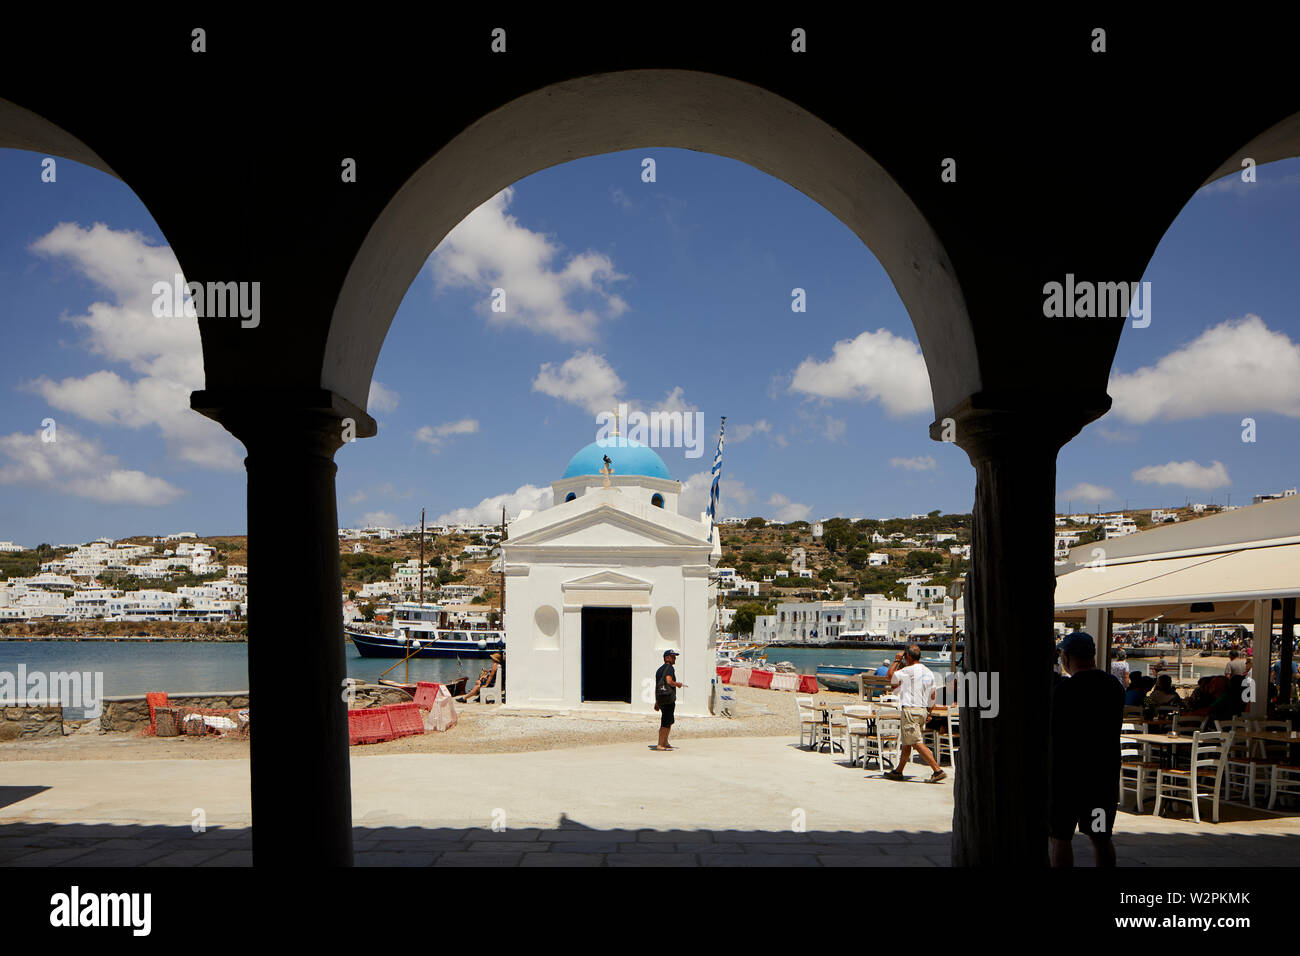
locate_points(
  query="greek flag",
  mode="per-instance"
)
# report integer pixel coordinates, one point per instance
(717, 476)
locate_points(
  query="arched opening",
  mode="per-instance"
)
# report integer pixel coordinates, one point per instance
(618, 111)
(657, 500)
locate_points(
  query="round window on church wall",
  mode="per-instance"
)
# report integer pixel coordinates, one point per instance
(547, 620)
(657, 501)
(669, 625)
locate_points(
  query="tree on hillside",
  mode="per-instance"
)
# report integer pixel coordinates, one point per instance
(755, 523)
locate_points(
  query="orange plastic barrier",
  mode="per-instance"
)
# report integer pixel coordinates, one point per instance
(725, 674)
(426, 692)
(760, 679)
(808, 684)
(155, 700)
(405, 719)
(369, 726)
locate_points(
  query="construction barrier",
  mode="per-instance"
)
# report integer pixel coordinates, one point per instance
(442, 715)
(808, 684)
(155, 700)
(724, 674)
(740, 675)
(405, 719)
(426, 692)
(761, 679)
(369, 726)
(785, 682)
(167, 722)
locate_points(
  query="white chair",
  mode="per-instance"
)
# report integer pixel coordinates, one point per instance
(810, 720)
(1286, 780)
(883, 746)
(1134, 766)
(1203, 780)
(857, 733)
(949, 739)
(832, 732)
(1274, 751)
(491, 693)
(1241, 772)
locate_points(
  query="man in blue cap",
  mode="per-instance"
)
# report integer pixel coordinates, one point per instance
(1087, 712)
(666, 697)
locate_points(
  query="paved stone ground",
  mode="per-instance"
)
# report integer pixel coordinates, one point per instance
(717, 802)
(107, 845)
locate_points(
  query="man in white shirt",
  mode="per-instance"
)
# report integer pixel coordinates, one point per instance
(914, 683)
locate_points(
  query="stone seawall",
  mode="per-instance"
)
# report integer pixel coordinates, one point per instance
(30, 719)
(39, 718)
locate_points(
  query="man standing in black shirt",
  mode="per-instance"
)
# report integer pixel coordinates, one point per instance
(1087, 712)
(666, 697)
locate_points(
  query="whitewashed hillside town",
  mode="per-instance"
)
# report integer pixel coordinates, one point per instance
(69, 588)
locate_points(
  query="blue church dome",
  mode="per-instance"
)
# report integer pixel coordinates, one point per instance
(627, 456)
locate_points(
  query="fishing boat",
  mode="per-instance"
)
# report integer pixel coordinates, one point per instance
(420, 630)
(842, 677)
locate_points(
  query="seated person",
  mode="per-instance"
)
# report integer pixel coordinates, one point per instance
(1164, 694)
(1202, 697)
(1137, 689)
(484, 679)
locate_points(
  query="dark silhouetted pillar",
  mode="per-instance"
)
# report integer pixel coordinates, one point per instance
(301, 790)
(1000, 807)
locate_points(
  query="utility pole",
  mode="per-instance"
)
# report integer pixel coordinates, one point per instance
(502, 549)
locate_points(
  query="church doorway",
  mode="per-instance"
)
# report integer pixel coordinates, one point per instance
(607, 654)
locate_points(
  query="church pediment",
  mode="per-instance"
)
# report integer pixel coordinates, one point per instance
(606, 527)
(607, 581)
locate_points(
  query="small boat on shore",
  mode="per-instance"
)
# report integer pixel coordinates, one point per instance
(841, 677)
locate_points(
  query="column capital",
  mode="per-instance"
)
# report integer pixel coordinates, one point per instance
(307, 419)
(992, 424)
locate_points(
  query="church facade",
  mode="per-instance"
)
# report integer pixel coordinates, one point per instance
(600, 584)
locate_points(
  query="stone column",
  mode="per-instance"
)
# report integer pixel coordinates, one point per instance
(1000, 811)
(300, 782)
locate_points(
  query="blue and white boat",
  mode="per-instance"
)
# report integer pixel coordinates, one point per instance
(420, 630)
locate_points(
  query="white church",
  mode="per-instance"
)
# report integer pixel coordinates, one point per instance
(600, 584)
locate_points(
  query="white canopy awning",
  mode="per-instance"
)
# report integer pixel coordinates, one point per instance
(1224, 585)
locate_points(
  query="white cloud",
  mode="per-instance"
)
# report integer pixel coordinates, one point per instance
(434, 436)
(1237, 366)
(586, 380)
(1123, 435)
(834, 428)
(875, 366)
(79, 466)
(787, 510)
(741, 433)
(919, 463)
(164, 352)
(490, 249)
(734, 498)
(1088, 492)
(382, 399)
(385, 519)
(1188, 474)
(488, 511)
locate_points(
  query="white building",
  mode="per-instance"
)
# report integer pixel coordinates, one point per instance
(1275, 496)
(600, 584)
(10, 546)
(816, 622)
(877, 558)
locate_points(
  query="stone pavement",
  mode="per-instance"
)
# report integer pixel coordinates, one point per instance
(715, 802)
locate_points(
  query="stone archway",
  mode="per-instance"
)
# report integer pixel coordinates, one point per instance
(651, 108)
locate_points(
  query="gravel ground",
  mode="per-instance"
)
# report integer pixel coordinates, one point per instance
(480, 729)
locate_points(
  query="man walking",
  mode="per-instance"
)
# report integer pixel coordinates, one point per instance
(666, 697)
(915, 684)
(1087, 712)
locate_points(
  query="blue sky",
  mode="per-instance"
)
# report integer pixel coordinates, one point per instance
(671, 295)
